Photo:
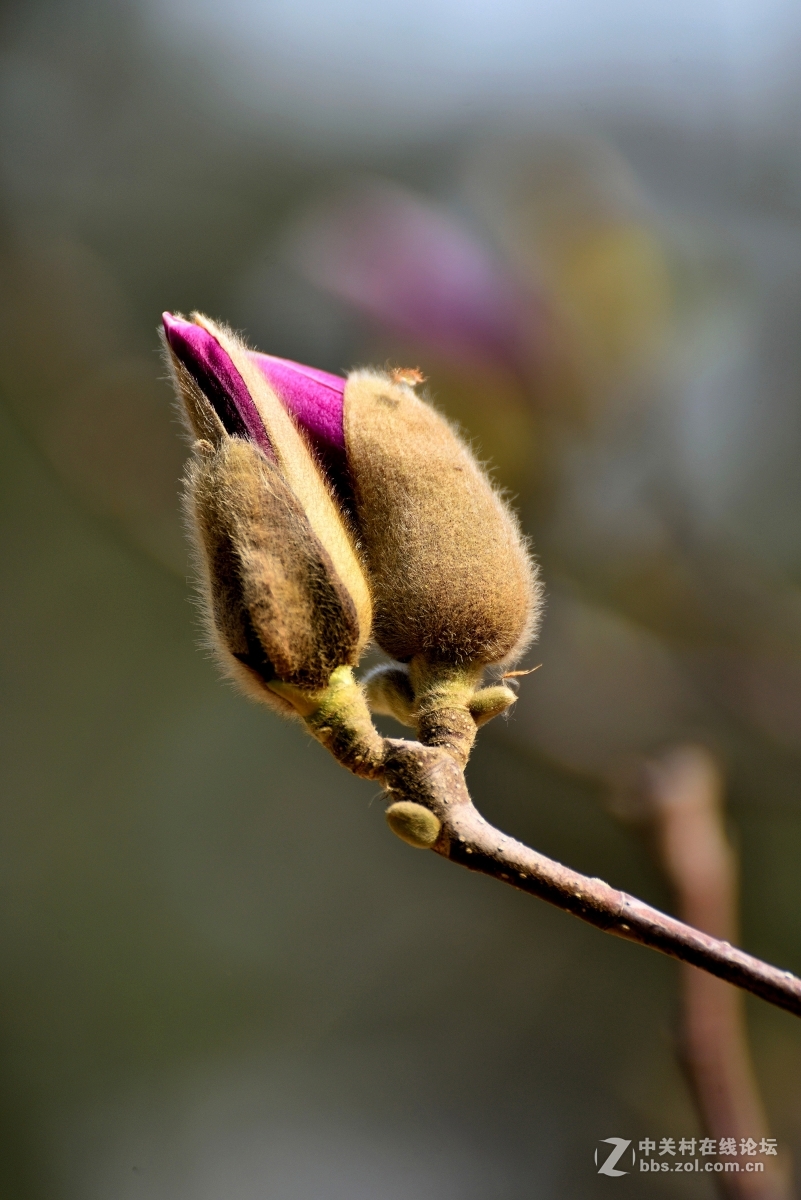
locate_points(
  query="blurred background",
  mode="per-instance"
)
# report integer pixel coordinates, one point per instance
(220, 975)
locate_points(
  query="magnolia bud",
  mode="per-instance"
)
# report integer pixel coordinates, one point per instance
(451, 576)
(287, 602)
(454, 588)
(450, 573)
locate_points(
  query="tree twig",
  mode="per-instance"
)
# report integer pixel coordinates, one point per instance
(430, 777)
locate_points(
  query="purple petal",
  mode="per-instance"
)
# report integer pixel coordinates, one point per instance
(315, 398)
(215, 374)
(317, 402)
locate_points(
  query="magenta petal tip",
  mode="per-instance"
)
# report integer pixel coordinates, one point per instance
(217, 377)
(315, 398)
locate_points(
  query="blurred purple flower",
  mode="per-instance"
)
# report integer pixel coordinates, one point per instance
(414, 268)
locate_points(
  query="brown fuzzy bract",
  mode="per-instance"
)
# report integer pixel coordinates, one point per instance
(296, 465)
(276, 604)
(451, 575)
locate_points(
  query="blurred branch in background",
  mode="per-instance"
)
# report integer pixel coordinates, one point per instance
(681, 796)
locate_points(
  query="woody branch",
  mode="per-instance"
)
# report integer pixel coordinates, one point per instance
(430, 777)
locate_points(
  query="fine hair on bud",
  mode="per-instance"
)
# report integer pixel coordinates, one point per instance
(413, 824)
(451, 574)
(285, 446)
(283, 591)
(389, 692)
(275, 606)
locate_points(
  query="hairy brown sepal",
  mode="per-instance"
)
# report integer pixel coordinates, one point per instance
(277, 608)
(451, 576)
(389, 692)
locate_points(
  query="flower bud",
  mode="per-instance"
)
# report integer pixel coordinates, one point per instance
(450, 573)
(451, 576)
(454, 588)
(286, 598)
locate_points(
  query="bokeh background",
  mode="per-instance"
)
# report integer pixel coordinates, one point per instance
(220, 975)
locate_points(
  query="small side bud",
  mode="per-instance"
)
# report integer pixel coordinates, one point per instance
(389, 692)
(490, 702)
(444, 704)
(413, 824)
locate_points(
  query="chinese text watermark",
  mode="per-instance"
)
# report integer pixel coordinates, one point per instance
(615, 1156)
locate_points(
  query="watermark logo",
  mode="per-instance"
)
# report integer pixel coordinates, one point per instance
(721, 1155)
(609, 1166)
